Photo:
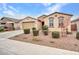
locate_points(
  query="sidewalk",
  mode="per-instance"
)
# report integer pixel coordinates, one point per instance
(12, 47)
(9, 34)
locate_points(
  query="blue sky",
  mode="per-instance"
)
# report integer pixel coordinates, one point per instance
(21, 10)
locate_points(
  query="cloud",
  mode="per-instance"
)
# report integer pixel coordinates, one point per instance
(75, 17)
(4, 6)
(46, 4)
(56, 8)
(10, 11)
(12, 8)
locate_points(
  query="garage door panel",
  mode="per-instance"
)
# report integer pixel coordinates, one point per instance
(28, 25)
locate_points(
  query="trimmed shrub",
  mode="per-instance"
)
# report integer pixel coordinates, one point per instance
(1, 29)
(45, 32)
(26, 31)
(77, 35)
(55, 34)
(35, 32)
(44, 27)
(33, 28)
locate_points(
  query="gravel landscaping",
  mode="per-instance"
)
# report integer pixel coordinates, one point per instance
(69, 42)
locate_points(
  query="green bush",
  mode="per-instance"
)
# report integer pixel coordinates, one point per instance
(1, 29)
(33, 28)
(35, 32)
(26, 31)
(45, 32)
(77, 35)
(44, 27)
(55, 34)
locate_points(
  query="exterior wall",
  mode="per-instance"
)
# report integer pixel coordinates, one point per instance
(39, 25)
(67, 22)
(29, 20)
(77, 23)
(17, 26)
(9, 25)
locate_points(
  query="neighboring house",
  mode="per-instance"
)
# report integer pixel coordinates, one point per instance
(7, 23)
(57, 21)
(75, 25)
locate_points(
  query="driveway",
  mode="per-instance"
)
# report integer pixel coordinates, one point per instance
(12, 47)
(9, 34)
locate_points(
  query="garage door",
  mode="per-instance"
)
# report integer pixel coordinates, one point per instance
(74, 27)
(28, 25)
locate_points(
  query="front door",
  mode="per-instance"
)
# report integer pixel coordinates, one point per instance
(42, 23)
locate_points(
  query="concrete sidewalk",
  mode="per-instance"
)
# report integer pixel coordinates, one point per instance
(12, 47)
(9, 34)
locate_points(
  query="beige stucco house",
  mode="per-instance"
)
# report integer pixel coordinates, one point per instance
(57, 21)
(28, 23)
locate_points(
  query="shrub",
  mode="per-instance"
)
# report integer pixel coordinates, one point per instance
(35, 32)
(45, 32)
(33, 28)
(77, 35)
(44, 27)
(1, 29)
(26, 31)
(55, 34)
(67, 32)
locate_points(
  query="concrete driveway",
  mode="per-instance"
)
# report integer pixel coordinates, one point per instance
(12, 47)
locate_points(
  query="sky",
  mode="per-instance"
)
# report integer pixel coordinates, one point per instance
(22, 10)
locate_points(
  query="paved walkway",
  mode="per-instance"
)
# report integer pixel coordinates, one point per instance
(11, 47)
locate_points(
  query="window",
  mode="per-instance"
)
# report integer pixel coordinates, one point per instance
(51, 22)
(61, 19)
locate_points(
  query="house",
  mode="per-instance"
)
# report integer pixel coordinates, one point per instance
(75, 25)
(28, 23)
(11, 23)
(57, 21)
(7, 23)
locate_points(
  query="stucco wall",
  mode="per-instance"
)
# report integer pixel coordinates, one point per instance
(29, 20)
(67, 22)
